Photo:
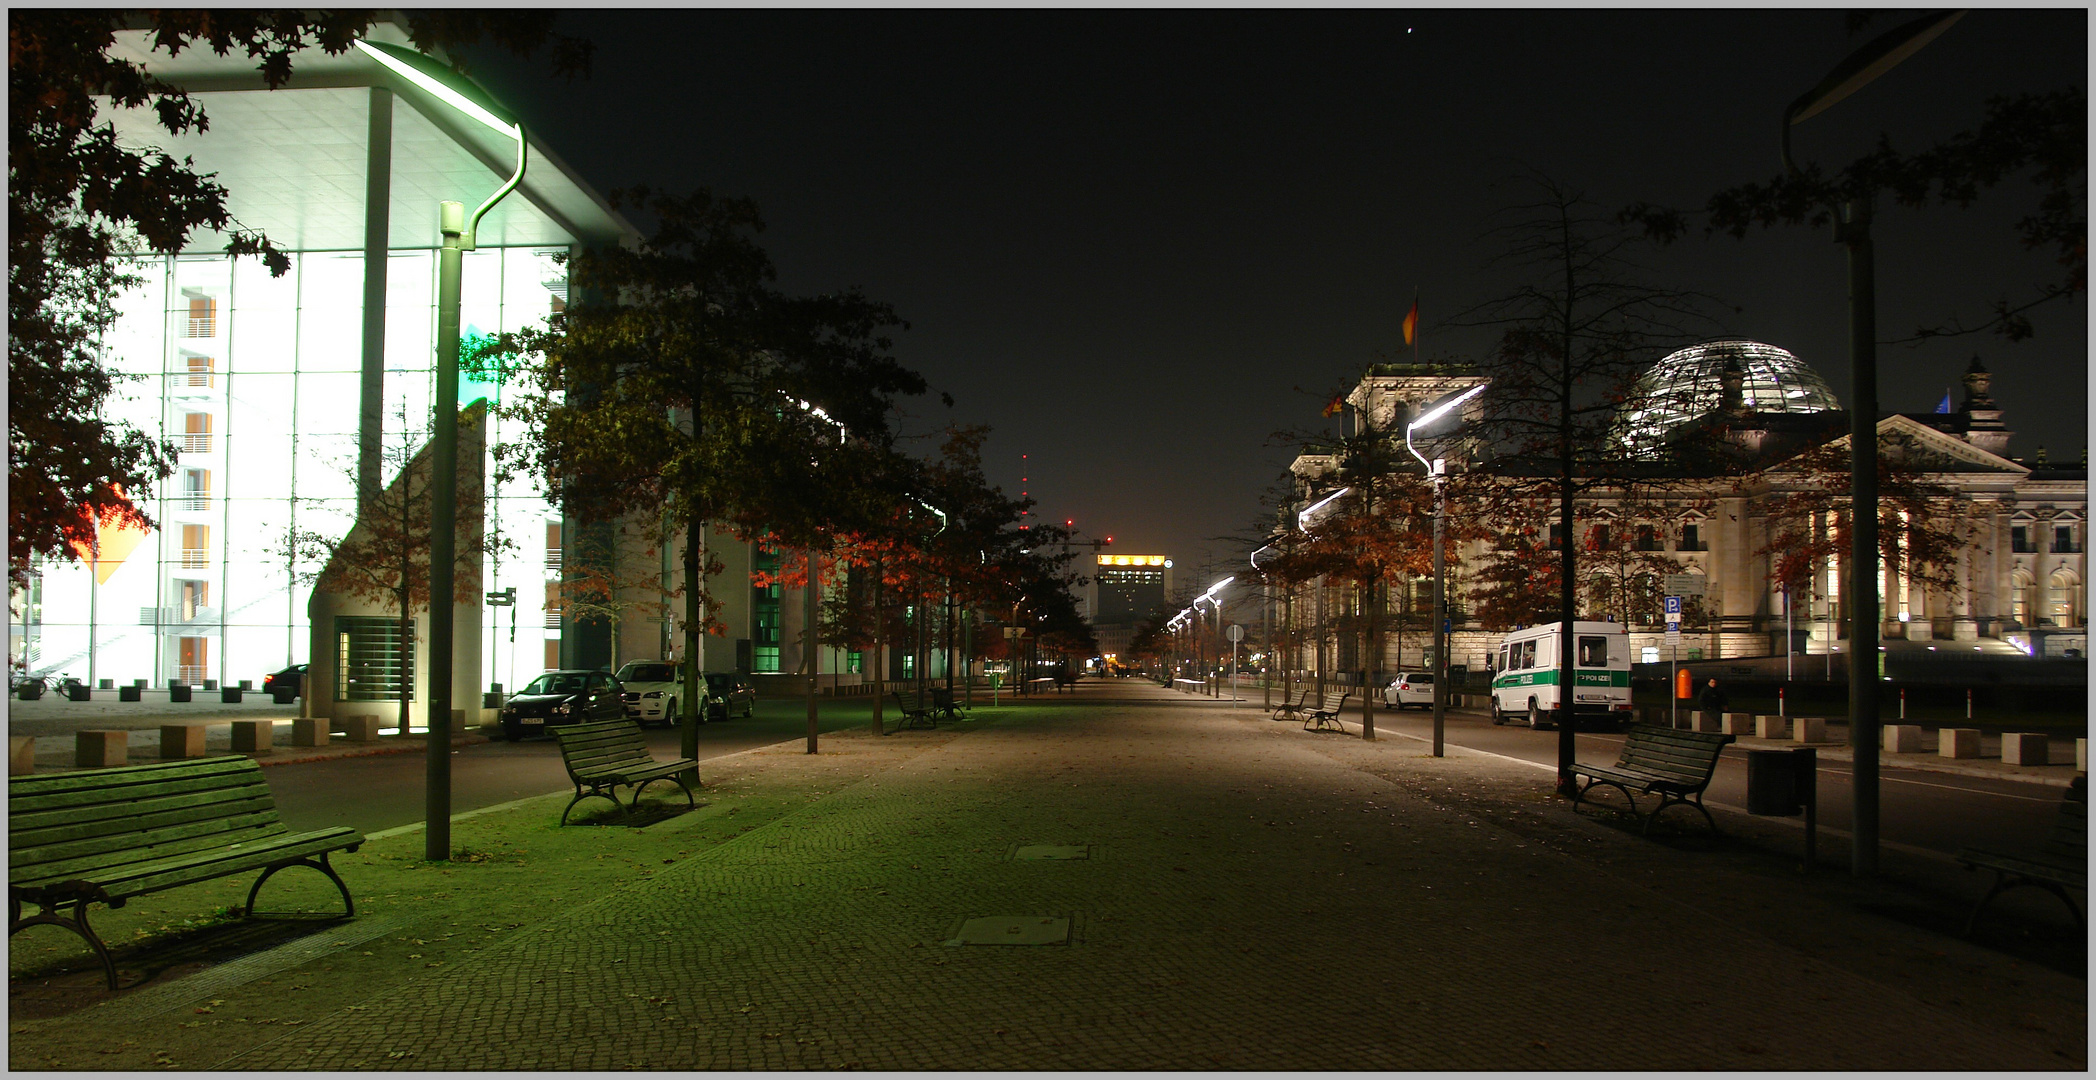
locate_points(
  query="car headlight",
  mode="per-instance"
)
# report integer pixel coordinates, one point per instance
(652, 693)
(562, 708)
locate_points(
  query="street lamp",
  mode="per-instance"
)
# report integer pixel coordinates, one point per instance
(1852, 230)
(1436, 470)
(458, 230)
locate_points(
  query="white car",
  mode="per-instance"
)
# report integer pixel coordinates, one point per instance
(1410, 688)
(652, 692)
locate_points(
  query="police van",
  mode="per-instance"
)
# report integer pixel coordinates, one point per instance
(1526, 677)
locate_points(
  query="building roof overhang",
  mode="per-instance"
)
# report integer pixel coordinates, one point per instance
(293, 160)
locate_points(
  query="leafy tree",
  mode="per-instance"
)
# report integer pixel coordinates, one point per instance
(1579, 325)
(384, 558)
(681, 389)
(1924, 527)
(78, 202)
(2039, 137)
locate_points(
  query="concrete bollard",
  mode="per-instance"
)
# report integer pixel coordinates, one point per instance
(181, 740)
(129, 693)
(230, 695)
(178, 692)
(1958, 742)
(1771, 726)
(360, 728)
(2081, 755)
(21, 755)
(253, 736)
(309, 731)
(2022, 748)
(1705, 721)
(1902, 738)
(101, 749)
(1808, 729)
(1737, 723)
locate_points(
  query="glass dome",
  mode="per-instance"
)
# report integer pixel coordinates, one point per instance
(1689, 383)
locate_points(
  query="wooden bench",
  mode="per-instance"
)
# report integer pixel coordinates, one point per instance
(1675, 765)
(610, 754)
(107, 835)
(1326, 715)
(943, 704)
(1286, 711)
(2061, 864)
(918, 710)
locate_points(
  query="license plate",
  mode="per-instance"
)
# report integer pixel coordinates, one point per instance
(533, 722)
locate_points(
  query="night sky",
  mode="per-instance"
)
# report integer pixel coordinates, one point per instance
(1138, 244)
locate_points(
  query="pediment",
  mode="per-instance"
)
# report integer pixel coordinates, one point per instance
(1920, 446)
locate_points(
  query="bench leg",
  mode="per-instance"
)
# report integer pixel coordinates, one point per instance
(1579, 794)
(678, 777)
(595, 791)
(349, 907)
(1665, 802)
(77, 924)
(2004, 881)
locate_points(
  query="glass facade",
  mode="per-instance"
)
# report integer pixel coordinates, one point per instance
(257, 381)
(1688, 383)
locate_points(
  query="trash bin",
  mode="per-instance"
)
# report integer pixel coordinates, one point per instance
(1779, 782)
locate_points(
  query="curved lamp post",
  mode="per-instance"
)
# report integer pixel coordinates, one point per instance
(458, 230)
(1852, 230)
(1435, 469)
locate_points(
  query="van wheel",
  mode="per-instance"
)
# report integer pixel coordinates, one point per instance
(1535, 715)
(1498, 717)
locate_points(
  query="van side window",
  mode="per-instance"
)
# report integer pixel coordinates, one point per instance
(1593, 652)
(1502, 658)
(1528, 654)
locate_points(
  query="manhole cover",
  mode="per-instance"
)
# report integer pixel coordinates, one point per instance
(1012, 930)
(1053, 851)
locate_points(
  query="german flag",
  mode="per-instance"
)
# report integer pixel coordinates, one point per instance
(1337, 404)
(1412, 322)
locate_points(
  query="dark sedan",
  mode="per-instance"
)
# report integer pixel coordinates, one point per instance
(728, 695)
(293, 678)
(562, 697)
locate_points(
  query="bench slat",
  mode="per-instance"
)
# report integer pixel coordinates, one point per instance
(41, 799)
(23, 841)
(140, 880)
(87, 857)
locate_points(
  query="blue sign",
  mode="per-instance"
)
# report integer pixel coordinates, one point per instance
(1673, 605)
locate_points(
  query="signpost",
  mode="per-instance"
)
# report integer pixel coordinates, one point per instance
(1236, 634)
(1674, 652)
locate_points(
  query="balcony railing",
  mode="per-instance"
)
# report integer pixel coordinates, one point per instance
(193, 500)
(553, 620)
(552, 558)
(196, 444)
(195, 558)
(201, 328)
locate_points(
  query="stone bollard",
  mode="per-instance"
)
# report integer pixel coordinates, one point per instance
(178, 692)
(309, 731)
(129, 693)
(181, 740)
(360, 728)
(1958, 742)
(1808, 729)
(21, 755)
(1901, 738)
(1737, 723)
(2022, 748)
(253, 736)
(2081, 755)
(1705, 721)
(1771, 726)
(230, 695)
(101, 749)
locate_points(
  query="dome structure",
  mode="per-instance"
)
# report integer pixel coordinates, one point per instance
(1690, 383)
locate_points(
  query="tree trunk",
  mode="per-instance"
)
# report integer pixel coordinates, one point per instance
(694, 688)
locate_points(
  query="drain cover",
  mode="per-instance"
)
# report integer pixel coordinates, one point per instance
(1053, 851)
(1012, 930)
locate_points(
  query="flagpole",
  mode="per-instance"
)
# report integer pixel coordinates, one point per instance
(1415, 324)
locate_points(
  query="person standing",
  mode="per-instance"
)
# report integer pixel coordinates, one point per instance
(1713, 702)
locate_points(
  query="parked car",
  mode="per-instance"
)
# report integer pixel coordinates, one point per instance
(726, 692)
(1410, 688)
(293, 677)
(562, 697)
(652, 691)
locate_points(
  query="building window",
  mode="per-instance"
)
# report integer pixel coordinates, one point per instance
(371, 660)
(1692, 537)
(2063, 539)
(196, 433)
(196, 595)
(2020, 540)
(1557, 536)
(553, 546)
(192, 659)
(196, 489)
(203, 318)
(1647, 538)
(196, 547)
(2063, 598)
(198, 371)
(553, 605)
(2023, 596)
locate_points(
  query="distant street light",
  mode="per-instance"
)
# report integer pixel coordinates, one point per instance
(1435, 469)
(1852, 229)
(458, 230)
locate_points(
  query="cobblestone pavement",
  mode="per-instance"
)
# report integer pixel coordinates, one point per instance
(1252, 897)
